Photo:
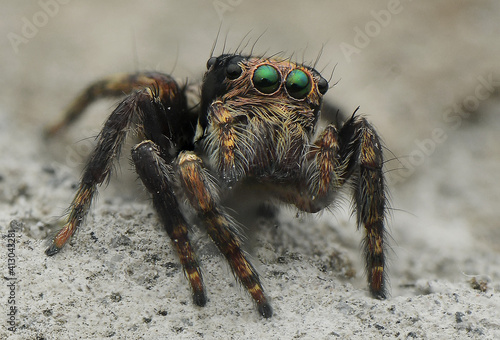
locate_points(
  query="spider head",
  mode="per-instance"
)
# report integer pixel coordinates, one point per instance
(258, 113)
(234, 78)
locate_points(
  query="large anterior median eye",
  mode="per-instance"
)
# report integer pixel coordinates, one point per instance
(298, 84)
(266, 79)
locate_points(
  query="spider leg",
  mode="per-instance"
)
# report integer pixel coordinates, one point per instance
(114, 86)
(361, 147)
(148, 101)
(156, 175)
(203, 197)
(353, 153)
(324, 170)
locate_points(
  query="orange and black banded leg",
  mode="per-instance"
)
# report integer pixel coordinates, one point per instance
(365, 163)
(323, 170)
(96, 171)
(112, 87)
(324, 174)
(156, 175)
(146, 106)
(202, 195)
(353, 155)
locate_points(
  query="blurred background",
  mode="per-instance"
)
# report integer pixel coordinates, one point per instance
(426, 74)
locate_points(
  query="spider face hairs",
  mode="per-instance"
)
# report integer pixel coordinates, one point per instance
(255, 123)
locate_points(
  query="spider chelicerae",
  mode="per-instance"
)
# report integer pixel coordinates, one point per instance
(254, 126)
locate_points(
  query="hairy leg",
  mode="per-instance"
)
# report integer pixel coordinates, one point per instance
(156, 175)
(370, 199)
(202, 195)
(353, 153)
(150, 102)
(114, 86)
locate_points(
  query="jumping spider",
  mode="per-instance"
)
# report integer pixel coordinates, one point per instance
(255, 123)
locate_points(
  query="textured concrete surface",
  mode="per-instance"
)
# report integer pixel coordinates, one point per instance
(426, 74)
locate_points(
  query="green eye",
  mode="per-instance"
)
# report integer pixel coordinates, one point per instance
(298, 84)
(266, 79)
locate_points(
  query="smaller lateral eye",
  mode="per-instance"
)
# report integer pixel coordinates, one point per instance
(266, 79)
(322, 86)
(211, 62)
(298, 84)
(233, 71)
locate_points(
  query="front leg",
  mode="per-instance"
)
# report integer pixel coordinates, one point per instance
(354, 154)
(157, 175)
(370, 197)
(203, 197)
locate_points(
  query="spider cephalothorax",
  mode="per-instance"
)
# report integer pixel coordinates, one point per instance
(260, 118)
(256, 122)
